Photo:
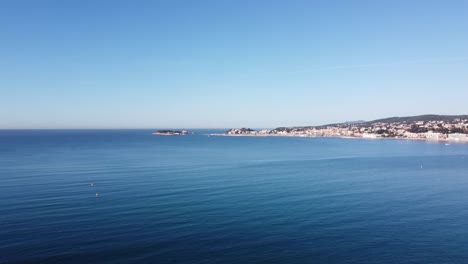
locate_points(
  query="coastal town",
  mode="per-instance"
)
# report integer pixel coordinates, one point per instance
(427, 127)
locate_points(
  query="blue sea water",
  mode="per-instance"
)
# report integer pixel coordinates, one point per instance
(200, 199)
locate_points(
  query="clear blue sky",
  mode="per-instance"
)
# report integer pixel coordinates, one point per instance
(194, 64)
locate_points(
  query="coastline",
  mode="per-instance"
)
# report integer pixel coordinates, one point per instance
(344, 137)
(432, 128)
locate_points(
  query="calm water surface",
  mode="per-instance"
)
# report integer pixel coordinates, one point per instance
(200, 199)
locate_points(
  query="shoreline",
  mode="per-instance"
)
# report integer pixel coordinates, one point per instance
(344, 137)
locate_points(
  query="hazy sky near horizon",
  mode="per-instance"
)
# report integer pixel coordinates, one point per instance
(206, 64)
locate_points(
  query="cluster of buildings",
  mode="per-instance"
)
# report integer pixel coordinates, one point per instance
(450, 130)
(241, 131)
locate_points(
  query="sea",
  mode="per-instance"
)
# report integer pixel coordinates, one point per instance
(126, 196)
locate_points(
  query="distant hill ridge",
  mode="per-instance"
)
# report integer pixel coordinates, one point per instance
(395, 119)
(409, 119)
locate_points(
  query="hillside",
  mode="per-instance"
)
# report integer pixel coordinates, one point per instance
(396, 119)
(411, 119)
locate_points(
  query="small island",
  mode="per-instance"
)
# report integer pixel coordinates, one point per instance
(170, 133)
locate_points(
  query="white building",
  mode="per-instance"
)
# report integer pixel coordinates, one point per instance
(458, 137)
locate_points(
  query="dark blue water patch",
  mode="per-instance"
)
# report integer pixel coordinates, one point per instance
(200, 199)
